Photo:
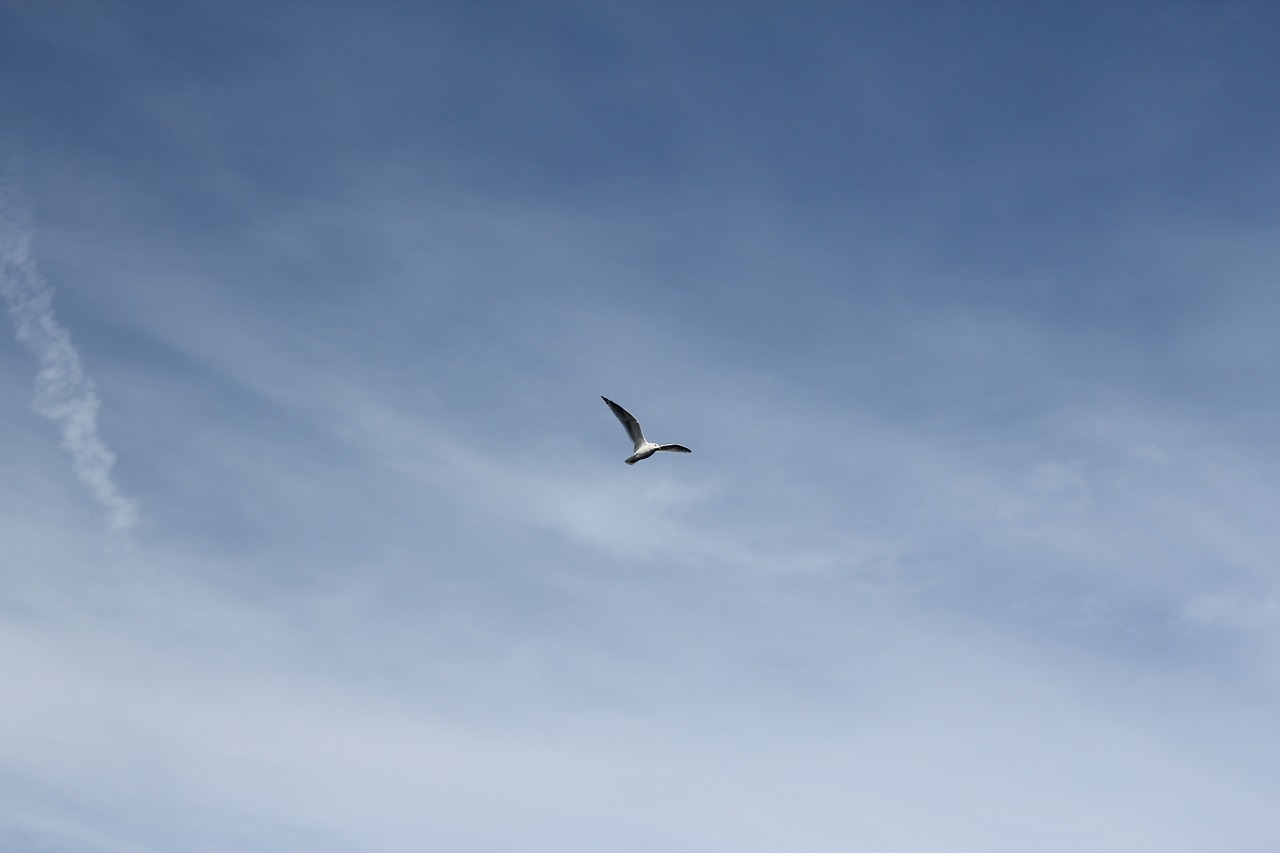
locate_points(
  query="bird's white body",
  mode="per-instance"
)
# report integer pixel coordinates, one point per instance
(644, 451)
(643, 447)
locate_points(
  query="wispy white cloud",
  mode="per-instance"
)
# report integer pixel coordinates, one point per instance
(64, 393)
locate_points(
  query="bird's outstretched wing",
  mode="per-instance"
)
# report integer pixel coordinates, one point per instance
(678, 448)
(631, 424)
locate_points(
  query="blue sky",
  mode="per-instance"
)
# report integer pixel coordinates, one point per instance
(316, 535)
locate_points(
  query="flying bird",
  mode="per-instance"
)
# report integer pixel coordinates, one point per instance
(644, 449)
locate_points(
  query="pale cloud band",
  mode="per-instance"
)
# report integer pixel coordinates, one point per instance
(64, 394)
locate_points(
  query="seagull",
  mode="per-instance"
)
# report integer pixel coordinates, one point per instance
(644, 449)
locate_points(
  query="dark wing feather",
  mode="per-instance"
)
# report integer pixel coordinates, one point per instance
(631, 424)
(678, 448)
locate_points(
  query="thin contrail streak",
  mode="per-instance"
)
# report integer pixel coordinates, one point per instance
(64, 394)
